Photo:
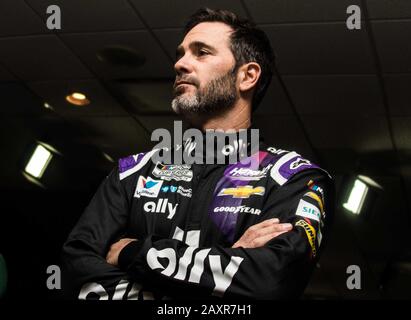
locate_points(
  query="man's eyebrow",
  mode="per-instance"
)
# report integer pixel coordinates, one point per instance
(194, 45)
(200, 44)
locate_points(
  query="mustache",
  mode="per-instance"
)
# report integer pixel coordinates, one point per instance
(186, 79)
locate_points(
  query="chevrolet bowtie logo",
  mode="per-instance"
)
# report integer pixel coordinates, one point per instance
(242, 192)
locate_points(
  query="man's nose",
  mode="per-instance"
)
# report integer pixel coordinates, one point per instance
(183, 65)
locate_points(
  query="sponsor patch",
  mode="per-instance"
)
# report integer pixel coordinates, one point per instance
(276, 151)
(238, 209)
(161, 206)
(147, 187)
(307, 210)
(311, 234)
(299, 163)
(178, 172)
(246, 174)
(317, 190)
(314, 187)
(314, 196)
(185, 192)
(289, 165)
(242, 192)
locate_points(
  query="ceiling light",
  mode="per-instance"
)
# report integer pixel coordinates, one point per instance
(78, 96)
(370, 182)
(107, 157)
(38, 162)
(357, 197)
(78, 99)
(47, 106)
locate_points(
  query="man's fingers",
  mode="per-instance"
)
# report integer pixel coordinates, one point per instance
(114, 251)
(277, 227)
(261, 241)
(265, 223)
(280, 227)
(285, 226)
(259, 234)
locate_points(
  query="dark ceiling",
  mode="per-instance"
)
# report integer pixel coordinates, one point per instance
(341, 97)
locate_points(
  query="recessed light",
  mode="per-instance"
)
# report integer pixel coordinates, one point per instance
(78, 99)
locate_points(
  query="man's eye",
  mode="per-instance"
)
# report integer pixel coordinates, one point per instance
(202, 52)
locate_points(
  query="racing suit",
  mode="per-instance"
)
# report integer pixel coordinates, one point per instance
(186, 218)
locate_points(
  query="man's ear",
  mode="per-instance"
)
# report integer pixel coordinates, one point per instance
(249, 74)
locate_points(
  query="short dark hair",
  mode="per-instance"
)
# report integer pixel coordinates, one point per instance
(248, 44)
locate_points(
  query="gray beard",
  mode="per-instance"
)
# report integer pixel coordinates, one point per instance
(219, 95)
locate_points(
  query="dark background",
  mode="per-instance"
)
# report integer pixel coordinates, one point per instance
(341, 98)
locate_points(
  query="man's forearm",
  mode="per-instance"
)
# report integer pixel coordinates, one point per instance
(236, 272)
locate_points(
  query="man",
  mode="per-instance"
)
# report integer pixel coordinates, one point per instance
(154, 230)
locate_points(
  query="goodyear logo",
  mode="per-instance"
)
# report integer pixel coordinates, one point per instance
(242, 192)
(311, 234)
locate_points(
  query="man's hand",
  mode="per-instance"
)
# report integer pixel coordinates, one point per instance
(259, 234)
(113, 253)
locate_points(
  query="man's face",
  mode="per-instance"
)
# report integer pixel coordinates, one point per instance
(205, 78)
